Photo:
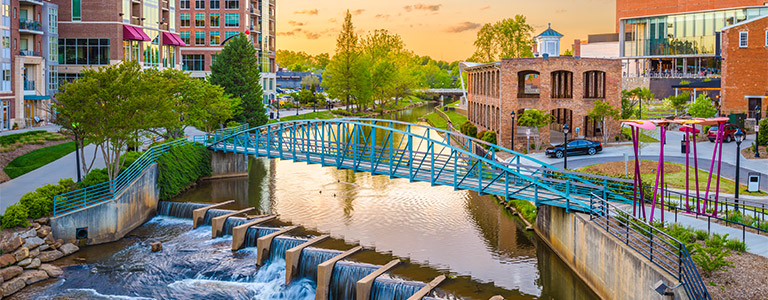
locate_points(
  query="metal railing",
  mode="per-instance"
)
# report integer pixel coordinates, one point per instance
(30, 25)
(29, 85)
(28, 53)
(661, 249)
(106, 191)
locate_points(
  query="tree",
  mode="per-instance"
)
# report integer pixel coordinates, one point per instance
(632, 102)
(534, 118)
(568, 52)
(702, 107)
(236, 69)
(601, 111)
(383, 51)
(206, 106)
(679, 103)
(347, 75)
(508, 38)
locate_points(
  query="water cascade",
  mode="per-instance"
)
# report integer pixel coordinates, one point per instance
(212, 213)
(254, 233)
(345, 277)
(178, 209)
(310, 258)
(282, 244)
(233, 222)
(393, 289)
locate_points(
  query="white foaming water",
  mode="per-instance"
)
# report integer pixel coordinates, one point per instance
(93, 294)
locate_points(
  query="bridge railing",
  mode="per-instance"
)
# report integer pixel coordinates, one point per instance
(661, 249)
(106, 191)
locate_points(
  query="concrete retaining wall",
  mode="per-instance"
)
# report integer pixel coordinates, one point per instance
(111, 220)
(228, 163)
(608, 266)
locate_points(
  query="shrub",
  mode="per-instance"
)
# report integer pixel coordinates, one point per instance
(526, 209)
(681, 233)
(180, 167)
(231, 124)
(712, 257)
(763, 139)
(94, 177)
(15, 216)
(701, 234)
(736, 245)
(489, 136)
(468, 129)
(129, 158)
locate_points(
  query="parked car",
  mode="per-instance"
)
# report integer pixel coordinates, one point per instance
(730, 130)
(575, 147)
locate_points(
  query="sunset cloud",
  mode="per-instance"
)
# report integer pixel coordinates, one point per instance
(383, 16)
(357, 12)
(461, 27)
(311, 12)
(419, 6)
(294, 23)
(485, 7)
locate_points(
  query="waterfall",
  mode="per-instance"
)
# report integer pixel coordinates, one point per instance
(233, 222)
(345, 277)
(282, 244)
(310, 258)
(392, 289)
(212, 213)
(254, 233)
(178, 209)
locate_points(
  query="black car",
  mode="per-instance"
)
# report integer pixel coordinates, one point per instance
(575, 147)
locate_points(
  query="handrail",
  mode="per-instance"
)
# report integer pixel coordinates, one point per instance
(661, 249)
(106, 191)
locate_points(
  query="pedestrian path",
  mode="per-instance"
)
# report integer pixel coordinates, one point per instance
(49, 128)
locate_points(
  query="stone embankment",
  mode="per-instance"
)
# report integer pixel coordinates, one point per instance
(26, 255)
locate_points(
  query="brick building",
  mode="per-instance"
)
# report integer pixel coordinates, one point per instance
(565, 87)
(744, 85)
(28, 62)
(206, 24)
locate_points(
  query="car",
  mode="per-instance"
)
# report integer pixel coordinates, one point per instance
(728, 133)
(575, 147)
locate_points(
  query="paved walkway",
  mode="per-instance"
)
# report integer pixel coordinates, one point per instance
(49, 128)
(64, 167)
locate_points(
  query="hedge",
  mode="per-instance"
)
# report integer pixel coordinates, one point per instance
(35, 204)
(180, 167)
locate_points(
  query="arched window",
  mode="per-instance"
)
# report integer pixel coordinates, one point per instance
(594, 84)
(528, 83)
(562, 84)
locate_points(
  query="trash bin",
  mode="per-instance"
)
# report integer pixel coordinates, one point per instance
(271, 115)
(683, 147)
(754, 182)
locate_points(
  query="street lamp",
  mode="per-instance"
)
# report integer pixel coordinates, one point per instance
(757, 133)
(77, 150)
(739, 137)
(566, 130)
(512, 129)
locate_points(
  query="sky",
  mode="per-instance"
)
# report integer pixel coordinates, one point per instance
(442, 29)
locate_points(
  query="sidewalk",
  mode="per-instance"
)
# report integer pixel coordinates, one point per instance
(49, 128)
(11, 191)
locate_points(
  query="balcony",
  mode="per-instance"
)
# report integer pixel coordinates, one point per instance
(30, 2)
(30, 26)
(29, 53)
(29, 85)
(255, 11)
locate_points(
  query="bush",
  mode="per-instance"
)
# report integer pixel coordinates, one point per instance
(180, 167)
(15, 216)
(701, 235)
(489, 136)
(736, 245)
(128, 158)
(468, 129)
(94, 177)
(712, 257)
(526, 209)
(763, 139)
(681, 233)
(231, 124)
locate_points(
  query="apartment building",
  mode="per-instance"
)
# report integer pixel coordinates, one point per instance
(205, 26)
(29, 37)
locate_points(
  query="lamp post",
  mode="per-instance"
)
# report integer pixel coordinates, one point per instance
(757, 133)
(77, 151)
(739, 137)
(566, 130)
(512, 129)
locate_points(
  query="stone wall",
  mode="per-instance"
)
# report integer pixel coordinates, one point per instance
(228, 163)
(597, 257)
(111, 220)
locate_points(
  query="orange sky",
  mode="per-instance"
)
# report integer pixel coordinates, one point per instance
(442, 29)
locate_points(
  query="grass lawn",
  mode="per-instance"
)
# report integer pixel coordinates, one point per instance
(404, 102)
(315, 115)
(12, 141)
(644, 138)
(456, 118)
(674, 176)
(38, 158)
(437, 120)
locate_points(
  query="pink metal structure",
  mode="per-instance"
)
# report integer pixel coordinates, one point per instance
(635, 126)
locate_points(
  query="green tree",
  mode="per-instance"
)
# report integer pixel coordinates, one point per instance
(347, 75)
(206, 106)
(485, 48)
(702, 107)
(632, 102)
(601, 111)
(534, 118)
(508, 38)
(383, 50)
(679, 103)
(236, 69)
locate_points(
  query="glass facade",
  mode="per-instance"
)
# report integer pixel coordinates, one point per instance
(83, 51)
(682, 34)
(193, 62)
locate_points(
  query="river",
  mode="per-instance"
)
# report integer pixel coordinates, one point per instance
(434, 230)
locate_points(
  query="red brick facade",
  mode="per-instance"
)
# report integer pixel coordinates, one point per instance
(635, 8)
(494, 92)
(745, 69)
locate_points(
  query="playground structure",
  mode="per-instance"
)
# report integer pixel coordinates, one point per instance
(688, 127)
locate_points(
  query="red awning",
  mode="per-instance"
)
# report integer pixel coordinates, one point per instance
(172, 39)
(134, 33)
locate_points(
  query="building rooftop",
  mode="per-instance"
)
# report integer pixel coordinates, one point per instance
(549, 32)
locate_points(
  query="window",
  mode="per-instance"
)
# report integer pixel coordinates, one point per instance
(231, 20)
(53, 78)
(215, 38)
(6, 15)
(53, 20)
(184, 19)
(229, 34)
(6, 44)
(53, 48)
(594, 84)
(215, 19)
(169, 56)
(184, 4)
(200, 20)
(200, 38)
(76, 10)
(193, 62)
(199, 4)
(231, 4)
(213, 58)
(562, 84)
(6, 86)
(131, 50)
(215, 4)
(766, 38)
(528, 80)
(184, 37)
(743, 39)
(152, 52)
(84, 51)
